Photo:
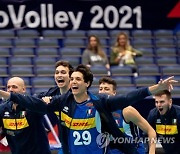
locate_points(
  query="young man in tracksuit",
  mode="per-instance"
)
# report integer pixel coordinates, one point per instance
(165, 119)
(84, 116)
(128, 121)
(23, 128)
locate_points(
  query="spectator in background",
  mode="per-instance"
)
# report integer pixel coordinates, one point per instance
(94, 55)
(128, 120)
(123, 53)
(165, 119)
(23, 128)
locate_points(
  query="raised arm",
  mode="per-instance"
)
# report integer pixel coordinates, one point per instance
(132, 115)
(4, 94)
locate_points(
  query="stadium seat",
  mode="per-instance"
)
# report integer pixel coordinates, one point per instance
(39, 90)
(27, 33)
(4, 72)
(5, 52)
(75, 34)
(124, 90)
(143, 81)
(124, 81)
(44, 61)
(176, 92)
(168, 42)
(2, 85)
(44, 71)
(99, 71)
(163, 33)
(71, 42)
(48, 43)
(7, 34)
(145, 61)
(94, 90)
(147, 52)
(3, 62)
(72, 52)
(21, 61)
(59, 34)
(121, 71)
(23, 52)
(142, 43)
(6, 43)
(149, 70)
(21, 71)
(74, 61)
(142, 34)
(40, 82)
(166, 61)
(25, 42)
(95, 81)
(166, 52)
(99, 33)
(114, 33)
(170, 70)
(47, 52)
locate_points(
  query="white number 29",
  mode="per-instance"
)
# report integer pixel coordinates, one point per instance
(86, 138)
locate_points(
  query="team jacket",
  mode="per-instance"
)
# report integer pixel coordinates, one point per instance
(104, 105)
(167, 128)
(24, 130)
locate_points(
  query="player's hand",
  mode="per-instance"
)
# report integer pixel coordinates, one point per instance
(47, 99)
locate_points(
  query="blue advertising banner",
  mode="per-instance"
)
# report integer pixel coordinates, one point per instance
(86, 14)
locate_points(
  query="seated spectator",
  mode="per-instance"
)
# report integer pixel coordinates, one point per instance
(123, 53)
(94, 55)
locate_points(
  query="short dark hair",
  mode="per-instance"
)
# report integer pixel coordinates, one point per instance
(164, 92)
(65, 64)
(109, 81)
(87, 74)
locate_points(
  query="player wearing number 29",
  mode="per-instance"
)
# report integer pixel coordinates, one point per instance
(83, 116)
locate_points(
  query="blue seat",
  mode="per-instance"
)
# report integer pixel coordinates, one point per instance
(147, 52)
(6, 43)
(39, 90)
(142, 34)
(48, 43)
(74, 61)
(44, 71)
(166, 52)
(44, 61)
(163, 33)
(21, 61)
(150, 61)
(2, 85)
(3, 62)
(21, 71)
(99, 33)
(164, 42)
(170, 70)
(121, 71)
(167, 61)
(94, 90)
(7, 34)
(149, 70)
(25, 42)
(142, 43)
(114, 33)
(71, 42)
(4, 72)
(40, 82)
(124, 90)
(5, 52)
(72, 52)
(176, 92)
(124, 81)
(53, 33)
(99, 71)
(47, 52)
(143, 81)
(27, 33)
(23, 52)
(75, 33)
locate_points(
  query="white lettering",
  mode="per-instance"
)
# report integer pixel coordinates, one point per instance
(28, 18)
(5, 18)
(75, 21)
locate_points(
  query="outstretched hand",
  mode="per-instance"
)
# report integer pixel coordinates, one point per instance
(167, 84)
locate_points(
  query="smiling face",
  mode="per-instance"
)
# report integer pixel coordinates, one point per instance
(77, 84)
(106, 88)
(16, 85)
(62, 76)
(163, 103)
